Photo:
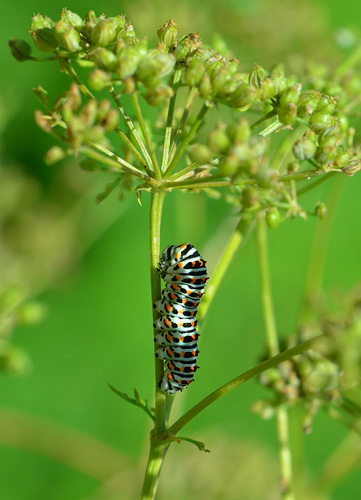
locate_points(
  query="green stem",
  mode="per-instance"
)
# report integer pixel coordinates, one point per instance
(317, 259)
(114, 161)
(169, 126)
(156, 458)
(235, 241)
(285, 458)
(263, 119)
(192, 93)
(158, 449)
(131, 127)
(197, 123)
(143, 127)
(130, 146)
(241, 379)
(74, 76)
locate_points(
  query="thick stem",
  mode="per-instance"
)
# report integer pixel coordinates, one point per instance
(155, 461)
(285, 458)
(162, 400)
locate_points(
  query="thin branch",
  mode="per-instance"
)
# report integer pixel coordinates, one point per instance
(114, 161)
(144, 129)
(241, 379)
(131, 127)
(169, 126)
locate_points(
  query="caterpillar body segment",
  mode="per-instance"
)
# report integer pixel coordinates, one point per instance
(185, 275)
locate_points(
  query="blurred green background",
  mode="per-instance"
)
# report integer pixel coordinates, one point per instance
(62, 431)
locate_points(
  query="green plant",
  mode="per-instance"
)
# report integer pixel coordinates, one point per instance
(239, 159)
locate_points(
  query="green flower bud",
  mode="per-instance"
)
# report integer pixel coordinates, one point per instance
(342, 158)
(193, 73)
(74, 97)
(71, 40)
(352, 167)
(218, 140)
(39, 22)
(105, 32)
(342, 122)
(41, 94)
(205, 86)
(264, 409)
(320, 120)
(45, 40)
(330, 136)
(103, 109)
(20, 49)
(244, 95)
(110, 121)
(229, 165)
(250, 197)
(287, 114)
(307, 103)
(141, 47)
(90, 21)
(267, 89)
(200, 153)
(305, 147)
(239, 132)
(99, 79)
(54, 154)
(72, 19)
(266, 177)
(167, 34)
(320, 210)
(291, 95)
(186, 46)
(280, 81)
(153, 68)
(219, 78)
(89, 113)
(325, 155)
(273, 217)
(128, 34)
(43, 121)
(326, 104)
(158, 95)
(94, 134)
(128, 63)
(104, 59)
(257, 75)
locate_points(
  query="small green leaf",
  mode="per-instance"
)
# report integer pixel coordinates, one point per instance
(201, 446)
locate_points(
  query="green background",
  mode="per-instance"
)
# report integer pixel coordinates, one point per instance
(98, 329)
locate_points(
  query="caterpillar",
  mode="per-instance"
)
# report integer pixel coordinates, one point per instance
(185, 274)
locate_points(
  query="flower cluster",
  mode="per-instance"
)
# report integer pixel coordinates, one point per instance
(326, 376)
(244, 155)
